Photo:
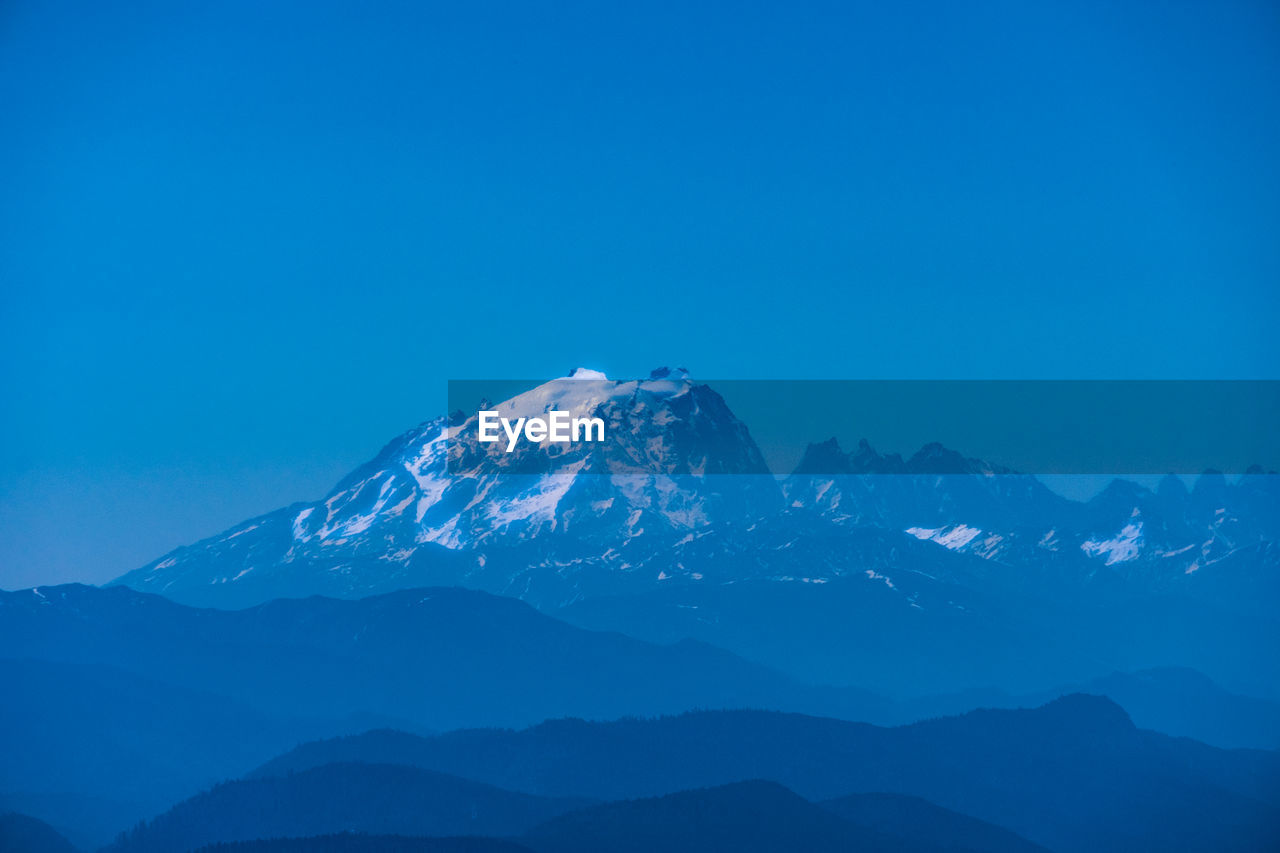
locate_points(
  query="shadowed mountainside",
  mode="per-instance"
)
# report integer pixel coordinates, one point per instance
(921, 821)
(745, 817)
(360, 798)
(1072, 775)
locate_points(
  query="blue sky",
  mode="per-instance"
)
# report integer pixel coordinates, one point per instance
(240, 247)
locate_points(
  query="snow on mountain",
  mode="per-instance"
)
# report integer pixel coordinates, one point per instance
(968, 506)
(1124, 546)
(680, 494)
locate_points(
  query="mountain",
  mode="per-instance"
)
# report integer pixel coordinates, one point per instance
(1072, 775)
(87, 822)
(1186, 703)
(962, 573)
(1126, 533)
(744, 817)
(865, 632)
(547, 523)
(677, 497)
(375, 799)
(956, 635)
(22, 834)
(299, 810)
(118, 703)
(740, 817)
(440, 658)
(1174, 701)
(918, 820)
(92, 748)
(183, 697)
(765, 816)
(557, 523)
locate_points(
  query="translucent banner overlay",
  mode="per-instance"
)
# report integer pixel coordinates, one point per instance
(669, 424)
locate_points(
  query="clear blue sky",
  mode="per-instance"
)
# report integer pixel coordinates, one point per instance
(243, 244)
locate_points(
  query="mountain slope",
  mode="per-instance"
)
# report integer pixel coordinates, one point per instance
(441, 658)
(921, 821)
(557, 523)
(1174, 701)
(962, 573)
(894, 815)
(1073, 775)
(75, 731)
(22, 834)
(957, 634)
(375, 799)
(744, 817)
(87, 821)
(1158, 538)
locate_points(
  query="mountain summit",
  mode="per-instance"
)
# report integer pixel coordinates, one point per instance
(545, 522)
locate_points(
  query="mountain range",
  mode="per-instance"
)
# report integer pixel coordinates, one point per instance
(948, 572)
(754, 815)
(20, 833)
(119, 702)
(655, 642)
(434, 505)
(437, 658)
(376, 799)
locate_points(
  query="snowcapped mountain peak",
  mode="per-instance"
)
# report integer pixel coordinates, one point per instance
(588, 393)
(439, 505)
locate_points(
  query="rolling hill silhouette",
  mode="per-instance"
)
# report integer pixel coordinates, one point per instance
(1072, 775)
(744, 817)
(358, 798)
(440, 657)
(921, 821)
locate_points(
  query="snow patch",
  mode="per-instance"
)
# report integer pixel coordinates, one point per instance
(876, 576)
(298, 530)
(954, 537)
(242, 531)
(1124, 546)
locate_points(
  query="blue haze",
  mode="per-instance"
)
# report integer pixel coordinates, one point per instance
(242, 245)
